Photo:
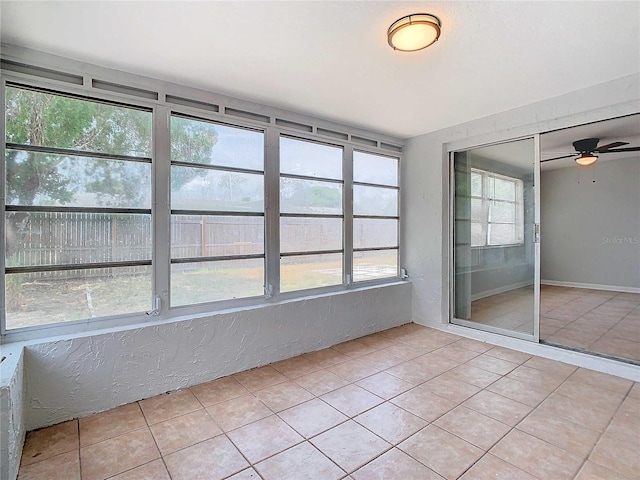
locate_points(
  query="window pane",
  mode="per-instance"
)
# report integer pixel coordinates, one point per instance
(477, 213)
(48, 120)
(502, 234)
(310, 234)
(37, 238)
(478, 236)
(201, 189)
(476, 184)
(503, 189)
(310, 271)
(55, 180)
(213, 281)
(372, 265)
(375, 201)
(371, 233)
(503, 212)
(207, 143)
(54, 297)
(310, 196)
(369, 168)
(311, 159)
(200, 236)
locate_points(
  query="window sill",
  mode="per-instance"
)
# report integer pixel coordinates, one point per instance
(125, 322)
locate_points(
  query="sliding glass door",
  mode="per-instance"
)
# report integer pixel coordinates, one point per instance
(495, 218)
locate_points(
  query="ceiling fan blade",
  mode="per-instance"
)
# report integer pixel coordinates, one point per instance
(628, 149)
(603, 148)
(558, 158)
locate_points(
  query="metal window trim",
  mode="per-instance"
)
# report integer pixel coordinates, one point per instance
(216, 213)
(311, 253)
(65, 209)
(295, 176)
(76, 153)
(220, 168)
(376, 217)
(376, 185)
(311, 215)
(310, 137)
(78, 92)
(62, 267)
(3, 139)
(375, 249)
(215, 258)
(208, 116)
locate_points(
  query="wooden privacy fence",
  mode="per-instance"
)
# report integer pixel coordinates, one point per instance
(62, 238)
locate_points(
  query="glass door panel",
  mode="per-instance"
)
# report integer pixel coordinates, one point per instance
(494, 250)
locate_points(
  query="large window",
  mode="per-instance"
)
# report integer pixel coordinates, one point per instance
(121, 203)
(217, 212)
(311, 216)
(375, 216)
(497, 209)
(78, 208)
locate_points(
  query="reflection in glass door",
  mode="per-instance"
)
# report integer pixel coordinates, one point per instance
(495, 253)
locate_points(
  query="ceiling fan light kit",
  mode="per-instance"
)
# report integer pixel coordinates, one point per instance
(587, 148)
(586, 159)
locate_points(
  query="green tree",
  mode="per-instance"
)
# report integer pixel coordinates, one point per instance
(42, 119)
(48, 120)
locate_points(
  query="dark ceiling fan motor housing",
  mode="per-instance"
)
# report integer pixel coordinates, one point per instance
(587, 145)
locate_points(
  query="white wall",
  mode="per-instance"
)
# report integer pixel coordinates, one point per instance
(591, 231)
(425, 172)
(77, 376)
(12, 424)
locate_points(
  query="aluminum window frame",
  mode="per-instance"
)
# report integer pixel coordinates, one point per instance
(396, 217)
(221, 213)
(66, 77)
(487, 202)
(345, 226)
(34, 87)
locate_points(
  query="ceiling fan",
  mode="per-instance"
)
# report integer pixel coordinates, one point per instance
(587, 149)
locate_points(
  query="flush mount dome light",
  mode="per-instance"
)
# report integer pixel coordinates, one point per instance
(586, 159)
(414, 32)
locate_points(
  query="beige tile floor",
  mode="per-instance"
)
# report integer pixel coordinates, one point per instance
(595, 321)
(408, 403)
(592, 320)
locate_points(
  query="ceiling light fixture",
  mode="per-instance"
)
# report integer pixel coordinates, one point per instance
(586, 159)
(414, 32)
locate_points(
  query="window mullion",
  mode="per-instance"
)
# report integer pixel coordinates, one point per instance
(161, 213)
(272, 211)
(3, 139)
(347, 210)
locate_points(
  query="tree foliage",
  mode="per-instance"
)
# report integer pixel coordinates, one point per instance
(47, 120)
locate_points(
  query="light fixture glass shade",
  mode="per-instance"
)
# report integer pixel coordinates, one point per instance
(414, 32)
(586, 159)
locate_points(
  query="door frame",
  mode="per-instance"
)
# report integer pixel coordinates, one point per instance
(451, 150)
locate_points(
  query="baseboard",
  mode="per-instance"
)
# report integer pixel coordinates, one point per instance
(592, 286)
(496, 291)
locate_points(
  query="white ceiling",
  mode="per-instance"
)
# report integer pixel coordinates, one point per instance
(331, 59)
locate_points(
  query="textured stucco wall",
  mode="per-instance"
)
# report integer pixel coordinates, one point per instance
(75, 377)
(425, 235)
(12, 425)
